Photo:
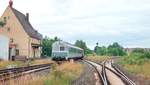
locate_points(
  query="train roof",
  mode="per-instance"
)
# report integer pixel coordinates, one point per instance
(68, 44)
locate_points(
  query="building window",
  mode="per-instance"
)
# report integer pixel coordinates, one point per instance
(5, 19)
(8, 17)
(11, 40)
(8, 29)
(62, 48)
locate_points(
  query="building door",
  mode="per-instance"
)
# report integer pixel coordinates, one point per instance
(12, 54)
(34, 53)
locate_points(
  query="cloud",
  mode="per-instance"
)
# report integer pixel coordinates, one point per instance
(103, 21)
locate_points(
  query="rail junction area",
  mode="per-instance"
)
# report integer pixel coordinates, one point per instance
(105, 73)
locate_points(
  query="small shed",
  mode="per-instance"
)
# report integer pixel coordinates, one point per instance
(4, 48)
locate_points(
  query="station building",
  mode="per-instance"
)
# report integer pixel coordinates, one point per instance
(24, 40)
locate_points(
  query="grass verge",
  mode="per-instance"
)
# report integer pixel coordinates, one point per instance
(136, 67)
(64, 74)
(98, 58)
(41, 61)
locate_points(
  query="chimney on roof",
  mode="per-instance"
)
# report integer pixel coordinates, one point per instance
(27, 16)
(10, 3)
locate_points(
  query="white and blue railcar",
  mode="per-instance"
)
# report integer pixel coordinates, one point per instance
(64, 51)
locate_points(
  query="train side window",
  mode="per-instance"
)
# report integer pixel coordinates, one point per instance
(62, 48)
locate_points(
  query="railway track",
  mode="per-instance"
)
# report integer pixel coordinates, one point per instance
(12, 73)
(109, 74)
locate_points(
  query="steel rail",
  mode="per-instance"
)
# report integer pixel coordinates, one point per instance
(7, 74)
(129, 81)
(99, 73)
(117, 72)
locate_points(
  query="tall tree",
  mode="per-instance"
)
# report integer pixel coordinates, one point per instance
(100, 50)
(82, 45)
(47, 46)
(115, 50)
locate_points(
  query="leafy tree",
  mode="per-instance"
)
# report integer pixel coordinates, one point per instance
(82, 45)
(100, 50)
(115, 50)
(138, 50)
(47, 46)
(112, 50)
(2, 24)
(103, 50)
(147, 54)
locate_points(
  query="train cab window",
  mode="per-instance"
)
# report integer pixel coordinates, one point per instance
(62, 48)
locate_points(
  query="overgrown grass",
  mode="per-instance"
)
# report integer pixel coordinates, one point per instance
(41, 61)
(137, 65)
(64, 74)
(139, 70)
(29, 79)
(132, 59)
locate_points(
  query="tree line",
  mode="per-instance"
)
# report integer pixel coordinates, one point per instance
(112, 50)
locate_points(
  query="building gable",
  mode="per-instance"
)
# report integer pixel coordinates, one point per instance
(12, 24)
(24, 21)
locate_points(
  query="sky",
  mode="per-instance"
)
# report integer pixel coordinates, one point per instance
(105, 21)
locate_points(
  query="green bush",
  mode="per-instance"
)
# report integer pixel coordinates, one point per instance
(2, 23)
(135, 58)
(138, 56)
(138, 50)
(146, 55)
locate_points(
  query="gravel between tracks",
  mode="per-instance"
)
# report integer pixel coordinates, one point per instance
(87, 77)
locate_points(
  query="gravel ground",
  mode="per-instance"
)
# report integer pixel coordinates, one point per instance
(87, 77)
